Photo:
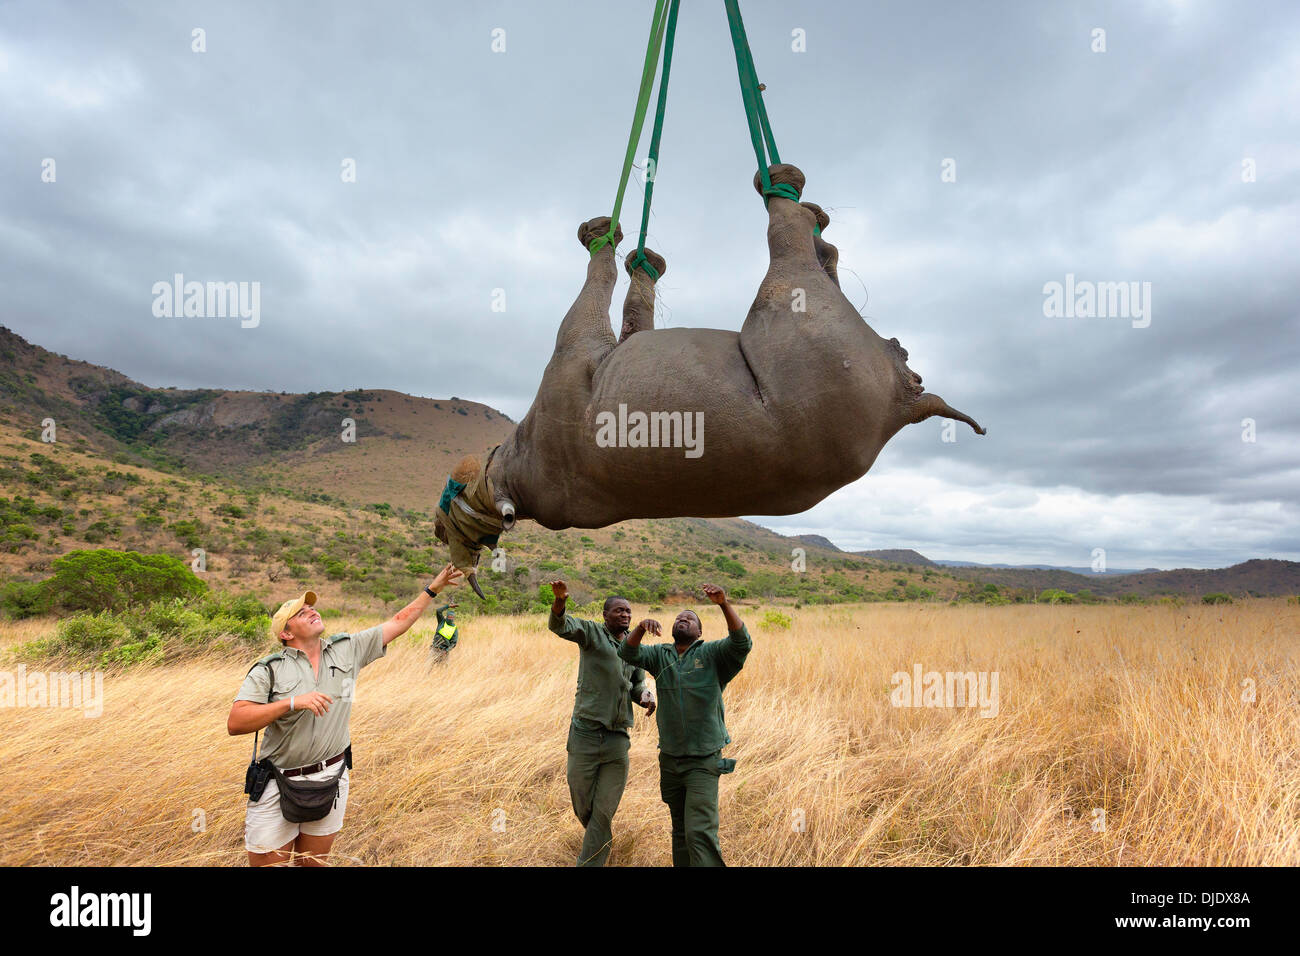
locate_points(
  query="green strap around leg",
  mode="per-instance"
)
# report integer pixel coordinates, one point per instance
(639, 260)
(760, 130)
(658, 23)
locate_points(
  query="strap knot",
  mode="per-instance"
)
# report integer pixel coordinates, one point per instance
(639, 261)
(784, 190)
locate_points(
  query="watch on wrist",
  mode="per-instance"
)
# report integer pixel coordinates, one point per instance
(432, 594)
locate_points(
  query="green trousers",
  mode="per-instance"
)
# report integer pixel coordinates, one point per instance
(597, 774)
(689, 785)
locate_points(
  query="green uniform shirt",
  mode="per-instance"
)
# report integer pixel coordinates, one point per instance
(300, 737)
(690, 716)
(606, 686)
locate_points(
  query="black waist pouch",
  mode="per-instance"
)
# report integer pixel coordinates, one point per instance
(302, 801)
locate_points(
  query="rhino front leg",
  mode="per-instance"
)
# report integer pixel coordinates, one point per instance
(639, 305)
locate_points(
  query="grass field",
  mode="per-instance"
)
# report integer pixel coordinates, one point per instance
(1134, 711)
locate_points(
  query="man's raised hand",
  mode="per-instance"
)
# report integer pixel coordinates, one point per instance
(714, 594)
(560, 590)
(448, 576)
(651, 625)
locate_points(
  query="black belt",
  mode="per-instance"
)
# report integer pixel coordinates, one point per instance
(314, 768)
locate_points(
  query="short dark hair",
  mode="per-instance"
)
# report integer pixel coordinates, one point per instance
(609, 601)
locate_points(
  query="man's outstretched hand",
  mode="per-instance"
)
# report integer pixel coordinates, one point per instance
(448, 576)
(560, 590)
(719, 597)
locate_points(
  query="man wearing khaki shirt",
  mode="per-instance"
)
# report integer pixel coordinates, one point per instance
(302, 696)
(598, 742)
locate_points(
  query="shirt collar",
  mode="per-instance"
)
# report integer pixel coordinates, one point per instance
(291, 651)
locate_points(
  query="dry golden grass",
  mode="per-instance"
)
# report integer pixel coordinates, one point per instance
(1135, 710)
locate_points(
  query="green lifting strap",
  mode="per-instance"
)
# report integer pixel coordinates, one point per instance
(760, 131)
(639, 261)
(658, 23)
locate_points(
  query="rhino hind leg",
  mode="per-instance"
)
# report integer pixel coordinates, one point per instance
(827, 255)
(639, 305)
(586, 327)
(789, 229)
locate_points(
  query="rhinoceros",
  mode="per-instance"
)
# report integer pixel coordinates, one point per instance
(707, 423)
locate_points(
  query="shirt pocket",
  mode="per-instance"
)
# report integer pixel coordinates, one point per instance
(339, 680)
(286, 687)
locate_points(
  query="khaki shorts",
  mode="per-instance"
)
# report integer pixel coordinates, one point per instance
(266, 829)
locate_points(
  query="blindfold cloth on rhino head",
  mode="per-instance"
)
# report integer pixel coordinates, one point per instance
(467, 519)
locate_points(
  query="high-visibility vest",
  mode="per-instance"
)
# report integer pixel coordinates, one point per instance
(447, 631)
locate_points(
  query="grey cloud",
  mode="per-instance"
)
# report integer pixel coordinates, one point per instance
(474, 170)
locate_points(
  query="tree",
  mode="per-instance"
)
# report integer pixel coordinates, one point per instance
(108, 580)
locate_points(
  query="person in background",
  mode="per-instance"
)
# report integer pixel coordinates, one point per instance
(446, 635)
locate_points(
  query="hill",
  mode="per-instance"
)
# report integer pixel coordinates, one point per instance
(403, 444)
(901, 555)
(265, 484)
(1258, 577)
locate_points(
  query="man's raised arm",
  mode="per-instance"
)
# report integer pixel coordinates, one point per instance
(737, 645)
(630, 649)
(565, 625)
(401, 622)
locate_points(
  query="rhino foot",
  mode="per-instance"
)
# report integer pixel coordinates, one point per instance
(595, 228)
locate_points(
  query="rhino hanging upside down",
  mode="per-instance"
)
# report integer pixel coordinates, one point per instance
(705, 423)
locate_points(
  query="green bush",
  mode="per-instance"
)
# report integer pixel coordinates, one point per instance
(137, 652)
(1055, 596)
(775, 620)
(153, 632)
(189, 531)
(114, 580)
(1216, 598)
(84, 634)
(729, 566)
(20, 599)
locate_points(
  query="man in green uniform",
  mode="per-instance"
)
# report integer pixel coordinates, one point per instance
(691, 675)
(446, 635)
(602, 713)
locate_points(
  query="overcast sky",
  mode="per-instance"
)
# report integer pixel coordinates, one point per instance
(474, 167)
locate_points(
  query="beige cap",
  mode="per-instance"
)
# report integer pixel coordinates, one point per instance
(288, 609)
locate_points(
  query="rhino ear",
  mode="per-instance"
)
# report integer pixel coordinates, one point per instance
(930, 404)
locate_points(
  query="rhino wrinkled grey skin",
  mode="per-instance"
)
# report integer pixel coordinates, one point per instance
(794, 406)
